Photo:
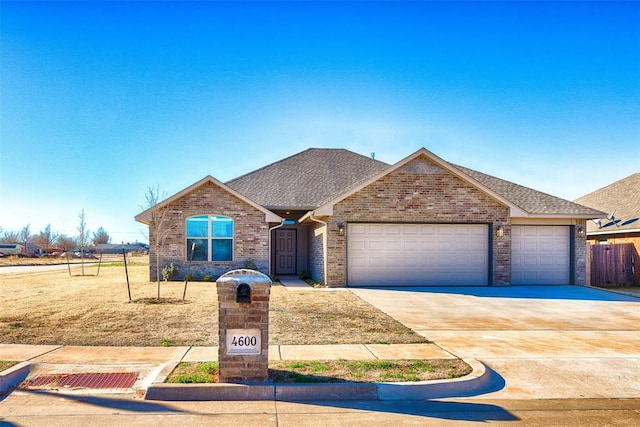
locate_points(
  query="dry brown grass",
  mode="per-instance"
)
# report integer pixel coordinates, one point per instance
(54, 308)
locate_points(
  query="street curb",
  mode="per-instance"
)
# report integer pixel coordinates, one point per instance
(476, 381)
(13, 376)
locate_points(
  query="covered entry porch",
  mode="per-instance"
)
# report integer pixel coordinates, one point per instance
(289, 252)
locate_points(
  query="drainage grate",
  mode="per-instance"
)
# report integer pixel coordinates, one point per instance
(87, 380)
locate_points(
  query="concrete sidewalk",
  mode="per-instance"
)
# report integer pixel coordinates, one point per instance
(153, 364)
(132, 355)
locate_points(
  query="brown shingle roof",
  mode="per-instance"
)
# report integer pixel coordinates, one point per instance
(531, 201)
(623, 196)
(306, 180)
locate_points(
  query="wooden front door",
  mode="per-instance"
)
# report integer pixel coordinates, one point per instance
(286, 251)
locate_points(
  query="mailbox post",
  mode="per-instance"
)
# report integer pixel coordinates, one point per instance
(243, 319)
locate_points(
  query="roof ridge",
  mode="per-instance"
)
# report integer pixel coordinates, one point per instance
(231, 181)
(266, 166)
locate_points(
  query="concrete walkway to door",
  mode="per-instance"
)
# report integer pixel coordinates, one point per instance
(545, 341)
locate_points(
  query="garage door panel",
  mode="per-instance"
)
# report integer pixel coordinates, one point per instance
(427, 230)
(540, 255)
(393, 245)
(357, 244)
(411, 245)
(372, 229)
(444, 230)
(357, 229)
(446, 246)
(411, 230)
(418, 254)
(375, 245)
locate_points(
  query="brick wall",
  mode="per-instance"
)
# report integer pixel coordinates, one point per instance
(419, 191)
(250, 232)
(580, 255)
(316, 248)
(253, 315)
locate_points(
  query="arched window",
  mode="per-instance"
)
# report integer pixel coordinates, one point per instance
(210, 237)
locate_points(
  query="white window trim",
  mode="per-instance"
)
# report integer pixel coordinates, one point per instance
(209, 238)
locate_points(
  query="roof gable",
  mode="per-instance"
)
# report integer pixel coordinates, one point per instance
(521, 201)
(434, 163)
(145, 217)
(306, 180)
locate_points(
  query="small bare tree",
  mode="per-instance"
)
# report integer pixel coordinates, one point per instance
(25, 233)
(10, 237)
(83, 236)
(158, 225)
(65, 242)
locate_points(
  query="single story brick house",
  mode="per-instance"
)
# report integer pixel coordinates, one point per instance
(348, 219)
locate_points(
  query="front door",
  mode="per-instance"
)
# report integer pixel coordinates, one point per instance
(285, 251)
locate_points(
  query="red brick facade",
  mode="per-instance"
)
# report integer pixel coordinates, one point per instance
(419, 192)
(239, 316)
(251, 233)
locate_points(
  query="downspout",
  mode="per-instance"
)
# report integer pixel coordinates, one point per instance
(270, 230)
(324, 245)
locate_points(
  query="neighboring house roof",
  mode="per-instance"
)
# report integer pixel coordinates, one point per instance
(623, 197)
(145, 217)
(306, 180)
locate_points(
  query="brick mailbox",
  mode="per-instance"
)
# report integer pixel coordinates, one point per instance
(243, 318)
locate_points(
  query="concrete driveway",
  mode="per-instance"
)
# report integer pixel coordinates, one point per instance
(543, 341)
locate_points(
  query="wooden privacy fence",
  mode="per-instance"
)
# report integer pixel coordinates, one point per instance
(612, 265)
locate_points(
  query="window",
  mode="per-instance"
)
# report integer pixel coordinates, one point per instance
(210, 238)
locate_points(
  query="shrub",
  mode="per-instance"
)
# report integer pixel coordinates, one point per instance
(169, 272)
(305, 275)
(250, 265)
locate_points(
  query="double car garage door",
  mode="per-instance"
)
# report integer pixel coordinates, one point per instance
(451, 254)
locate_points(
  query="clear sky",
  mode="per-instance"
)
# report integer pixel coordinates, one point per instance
(101, 100)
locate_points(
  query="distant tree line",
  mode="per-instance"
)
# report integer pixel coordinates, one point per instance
(49, 239)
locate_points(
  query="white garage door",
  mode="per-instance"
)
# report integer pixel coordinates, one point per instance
(417, 254)
(540, 255)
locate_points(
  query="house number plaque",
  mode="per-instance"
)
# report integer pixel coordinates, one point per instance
(244, 341)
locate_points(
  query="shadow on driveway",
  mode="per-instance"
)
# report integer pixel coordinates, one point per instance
(550, 292)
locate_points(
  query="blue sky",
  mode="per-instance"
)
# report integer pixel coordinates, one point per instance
(100, 100)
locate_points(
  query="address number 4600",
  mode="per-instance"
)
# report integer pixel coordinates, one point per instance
(244, 341)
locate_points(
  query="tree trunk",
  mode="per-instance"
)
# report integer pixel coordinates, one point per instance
(158, 273)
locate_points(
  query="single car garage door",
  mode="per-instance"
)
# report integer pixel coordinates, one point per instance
(417, 254)
(540, 255)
